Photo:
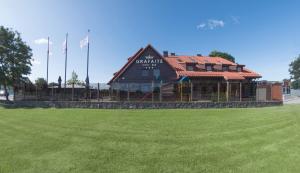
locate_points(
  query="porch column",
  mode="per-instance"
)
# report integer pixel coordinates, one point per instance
(240, 91)
(109, 92)
(152, 91)
(98, 92)
(128, 93)
(181, 91)
(218, 91)
(227, 91)
(200, 88)
(191, 85)
(118, 92)
(160, 91)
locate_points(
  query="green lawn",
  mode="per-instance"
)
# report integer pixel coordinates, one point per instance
(212, 140)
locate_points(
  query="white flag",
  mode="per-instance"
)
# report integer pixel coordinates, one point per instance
(84, 42)
(64, 46)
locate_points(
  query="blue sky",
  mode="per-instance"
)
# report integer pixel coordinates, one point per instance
(263, 35)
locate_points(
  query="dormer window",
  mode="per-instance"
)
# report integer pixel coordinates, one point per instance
(189, 68)
(208, 68)
(239, 69)
(225, 68)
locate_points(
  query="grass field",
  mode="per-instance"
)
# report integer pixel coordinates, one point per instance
(214, 140)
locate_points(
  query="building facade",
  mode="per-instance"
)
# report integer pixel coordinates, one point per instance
(150, 76)
(286, 86)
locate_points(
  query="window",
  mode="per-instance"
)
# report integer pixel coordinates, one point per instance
(225, 68)
(146, 87)
(156, 73)
(145, 73)
(189, 68)
(209, 68)
(239, 69)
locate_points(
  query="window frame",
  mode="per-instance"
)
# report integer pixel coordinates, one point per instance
(209, 68)
(155, 71)
(225, 68)
(189, 68)
(239, 69)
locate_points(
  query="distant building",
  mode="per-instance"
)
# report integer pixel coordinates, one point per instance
(269, 90)
(286, 86)
(186, 78)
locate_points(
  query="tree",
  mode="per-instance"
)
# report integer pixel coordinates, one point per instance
(296, 84)
(74, 80)
(15, 58)
(222, 55)
(52, 84)
(41, 83)
(295, 72)
(295, 69)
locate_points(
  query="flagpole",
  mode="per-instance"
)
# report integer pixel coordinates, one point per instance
(87, 61)
(48, 62)
(66, 59)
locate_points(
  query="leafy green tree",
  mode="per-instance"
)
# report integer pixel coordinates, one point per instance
(15, 58)
(53, 84)
(222, 55)
(41, 83)
(296, 84)
(295, 68)
(74, 80)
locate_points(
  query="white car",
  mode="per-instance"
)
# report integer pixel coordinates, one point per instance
(2, 92)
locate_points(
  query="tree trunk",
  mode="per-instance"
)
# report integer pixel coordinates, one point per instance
(6, 92)
(14, 90)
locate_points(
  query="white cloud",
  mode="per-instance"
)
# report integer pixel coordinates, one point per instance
(42, 41)
(235, 19)
(211, 24)
(201, 25)
(34, 61)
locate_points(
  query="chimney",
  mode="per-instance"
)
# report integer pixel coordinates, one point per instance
(166, 53)
(173, 54)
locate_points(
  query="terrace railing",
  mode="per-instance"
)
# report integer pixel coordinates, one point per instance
(140, 92)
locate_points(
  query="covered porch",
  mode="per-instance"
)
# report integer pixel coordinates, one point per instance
(186, 90)
(215, 89)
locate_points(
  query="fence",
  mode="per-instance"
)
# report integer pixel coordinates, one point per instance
(97, 92)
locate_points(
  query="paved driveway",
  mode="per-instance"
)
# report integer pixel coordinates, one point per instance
(292, 100)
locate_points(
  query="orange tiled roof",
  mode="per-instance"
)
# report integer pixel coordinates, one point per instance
(178, 62)
(199, 60)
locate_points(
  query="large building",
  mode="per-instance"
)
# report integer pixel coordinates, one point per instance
(148, 75)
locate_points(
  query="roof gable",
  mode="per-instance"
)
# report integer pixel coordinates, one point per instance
(134, 58)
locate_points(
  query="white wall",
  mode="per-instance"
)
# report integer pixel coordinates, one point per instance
(295, 92)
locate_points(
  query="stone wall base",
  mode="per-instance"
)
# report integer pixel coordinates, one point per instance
(138, 105)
